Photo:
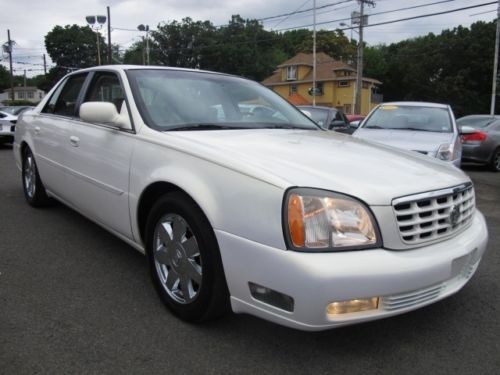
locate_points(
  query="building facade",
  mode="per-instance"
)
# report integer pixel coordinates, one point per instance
(335, 83)
(29, 93)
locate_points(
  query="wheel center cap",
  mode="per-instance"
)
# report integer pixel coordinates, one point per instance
(177, 258)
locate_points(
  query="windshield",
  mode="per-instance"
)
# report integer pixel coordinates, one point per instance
(475, 122)
(187, 100)
(401, 117)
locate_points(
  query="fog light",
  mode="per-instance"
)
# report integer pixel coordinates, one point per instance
(352, 306)
(271, 297)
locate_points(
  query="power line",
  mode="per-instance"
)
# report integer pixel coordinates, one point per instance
(372, 14)
(294, 12)
(303, 11)
(430, 14)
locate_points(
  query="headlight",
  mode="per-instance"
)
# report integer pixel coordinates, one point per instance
(317, 220)
(445, 152)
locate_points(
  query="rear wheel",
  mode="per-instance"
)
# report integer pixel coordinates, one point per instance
(33, 188)
(495, 160)
(184, 259)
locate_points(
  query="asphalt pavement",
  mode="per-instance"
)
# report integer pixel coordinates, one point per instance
(74, 299)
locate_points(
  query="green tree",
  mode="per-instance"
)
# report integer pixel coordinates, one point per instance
(4, 78)
(73, 47)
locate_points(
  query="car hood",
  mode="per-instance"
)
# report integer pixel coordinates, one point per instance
(327, 160)
(406, 139)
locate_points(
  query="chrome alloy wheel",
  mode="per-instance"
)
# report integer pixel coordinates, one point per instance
(30, 175)
(177, 258)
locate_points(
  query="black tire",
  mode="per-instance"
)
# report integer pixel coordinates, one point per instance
(495, 161)
(172, 257)
(33, 188)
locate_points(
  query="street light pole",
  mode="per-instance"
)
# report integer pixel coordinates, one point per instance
(359, 76)
(96, 23)
(495, 65)
(141, 27)
(10, 42)
(314, 53)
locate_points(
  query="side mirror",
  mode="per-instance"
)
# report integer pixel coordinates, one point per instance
(307, 113)
(354, 124)
(104, 113)
(466, 130)
(337, 123)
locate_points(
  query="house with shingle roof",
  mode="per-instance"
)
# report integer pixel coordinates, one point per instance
(335, 83)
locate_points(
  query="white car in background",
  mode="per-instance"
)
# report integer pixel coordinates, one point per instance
(427, 128)
(242, 211)
(7, 127)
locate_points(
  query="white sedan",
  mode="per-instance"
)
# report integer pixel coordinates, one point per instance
(240, 210)
(7, 126)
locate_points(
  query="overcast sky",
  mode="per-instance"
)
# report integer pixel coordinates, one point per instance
(30, 20)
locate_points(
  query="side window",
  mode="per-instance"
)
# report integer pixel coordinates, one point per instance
(106, 87)
(63, 102)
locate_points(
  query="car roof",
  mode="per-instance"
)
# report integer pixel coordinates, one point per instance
(417, 104)
(121, 68)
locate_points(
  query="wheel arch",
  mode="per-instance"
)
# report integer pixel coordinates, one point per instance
(150, 195)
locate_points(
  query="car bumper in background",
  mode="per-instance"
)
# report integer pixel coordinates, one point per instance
(401, 280)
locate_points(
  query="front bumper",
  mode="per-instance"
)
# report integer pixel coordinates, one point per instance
(404, 280)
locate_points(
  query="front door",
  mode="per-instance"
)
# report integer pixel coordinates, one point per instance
(99, 159)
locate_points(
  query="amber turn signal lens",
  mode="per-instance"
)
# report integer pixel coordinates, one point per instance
(296, 220)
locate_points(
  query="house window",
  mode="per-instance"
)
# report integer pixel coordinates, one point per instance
(319, 88)
(343, 83)
(31, 94)
(293, 89)
(40, 96)
(291, 73)
(20, 94)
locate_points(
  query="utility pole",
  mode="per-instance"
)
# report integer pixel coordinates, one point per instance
(9, 46)
(314, 54)
(44, 65)
(109, 37)
(495, 65)
(359, 76)
(24, 80)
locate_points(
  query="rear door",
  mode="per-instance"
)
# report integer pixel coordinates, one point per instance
(50, 133)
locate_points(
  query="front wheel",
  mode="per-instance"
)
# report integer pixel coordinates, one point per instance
(184, 259)
(495, 161)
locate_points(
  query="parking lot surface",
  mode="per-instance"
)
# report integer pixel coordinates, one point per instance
(75, 299)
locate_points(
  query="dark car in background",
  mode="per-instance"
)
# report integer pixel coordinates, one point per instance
(328, 118)
(481, 140)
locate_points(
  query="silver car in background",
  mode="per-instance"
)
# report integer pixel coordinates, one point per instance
(428, 128)
(481, 140)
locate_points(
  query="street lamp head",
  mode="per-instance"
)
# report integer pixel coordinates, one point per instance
(90, 20)
(141, 27)
(101, 20)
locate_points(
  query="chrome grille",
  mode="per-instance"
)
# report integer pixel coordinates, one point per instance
(434, 215)
(401, 301)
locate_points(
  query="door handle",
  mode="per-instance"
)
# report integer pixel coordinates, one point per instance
(37, 130)
(75, 141)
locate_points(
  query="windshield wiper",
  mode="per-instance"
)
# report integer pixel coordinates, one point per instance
(285, 126)
(373, 127)
(204, 126)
